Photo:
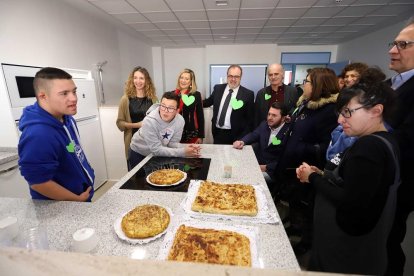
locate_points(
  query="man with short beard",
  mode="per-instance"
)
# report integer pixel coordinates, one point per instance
(270, 136)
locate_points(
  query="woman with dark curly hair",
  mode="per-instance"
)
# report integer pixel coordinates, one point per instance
(139, 95)
(352, 73)
(355, 202)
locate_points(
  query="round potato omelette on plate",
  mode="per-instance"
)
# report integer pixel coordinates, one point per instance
(166, 177)
(145, 221)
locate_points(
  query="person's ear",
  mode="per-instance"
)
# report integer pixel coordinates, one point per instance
(41, 95)
(377, 110)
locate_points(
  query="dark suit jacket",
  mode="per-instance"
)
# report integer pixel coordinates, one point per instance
(403, 125)
(261, 105)
(267, 154)
(241, 120)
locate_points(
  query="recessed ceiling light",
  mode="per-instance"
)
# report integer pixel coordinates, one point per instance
(224, 37)
(221, 3)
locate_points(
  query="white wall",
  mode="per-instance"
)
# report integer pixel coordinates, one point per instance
(175, 60)
(54, 33)
(132, 53)
(372, 48)
(158, 71)
(113, 140)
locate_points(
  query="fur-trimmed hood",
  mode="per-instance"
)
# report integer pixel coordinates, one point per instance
(318, 104)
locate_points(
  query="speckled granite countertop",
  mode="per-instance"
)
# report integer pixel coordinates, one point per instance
(16, 261)
(8, 154)
(62, 219)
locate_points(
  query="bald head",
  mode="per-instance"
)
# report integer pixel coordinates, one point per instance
(275, 73)
(275, 66)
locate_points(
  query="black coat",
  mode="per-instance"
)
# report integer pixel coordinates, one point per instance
(310, 134)
(267, 154)
(403, 125)
(194, 113)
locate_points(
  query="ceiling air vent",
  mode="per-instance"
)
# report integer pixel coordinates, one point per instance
(221, 3)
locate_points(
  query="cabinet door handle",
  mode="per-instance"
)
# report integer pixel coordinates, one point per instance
(9, 169)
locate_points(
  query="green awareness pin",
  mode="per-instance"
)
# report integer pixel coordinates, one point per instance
(188, 100)
(276, 141)
(70, 147)
(236, 104)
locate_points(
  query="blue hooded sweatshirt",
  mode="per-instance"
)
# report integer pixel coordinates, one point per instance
(51, 150)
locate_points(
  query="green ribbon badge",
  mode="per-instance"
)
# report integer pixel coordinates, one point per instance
(267, 96)
(276, 141)
(186, 168)
(70, 147)
(187, 100)
(236, 104)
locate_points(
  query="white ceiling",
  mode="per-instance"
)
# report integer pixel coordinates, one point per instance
(192, 23)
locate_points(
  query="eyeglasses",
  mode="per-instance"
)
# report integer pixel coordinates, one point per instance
(347, 113)
(401, 45)
(233, 77)
(168, 109)
(305, 81)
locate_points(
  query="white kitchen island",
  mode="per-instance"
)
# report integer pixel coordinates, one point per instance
(61, 219)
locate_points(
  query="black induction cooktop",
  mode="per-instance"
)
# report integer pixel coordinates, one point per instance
(196, 168)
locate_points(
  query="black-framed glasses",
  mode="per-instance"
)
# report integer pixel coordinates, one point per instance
(233, 77)
(167, 108)
(305, 81)
(347, 113)
(401, 45)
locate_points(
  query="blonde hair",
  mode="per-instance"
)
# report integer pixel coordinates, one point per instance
(193, 85)
(149, 89)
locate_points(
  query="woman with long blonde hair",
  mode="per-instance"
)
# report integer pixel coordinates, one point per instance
(139, 95)
(190, 107)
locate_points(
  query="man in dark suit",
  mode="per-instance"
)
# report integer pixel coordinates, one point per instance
(277, 91)
(271, 138)
(233, 108)
(402, 62)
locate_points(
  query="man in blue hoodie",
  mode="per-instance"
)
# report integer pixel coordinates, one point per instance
(51, 157)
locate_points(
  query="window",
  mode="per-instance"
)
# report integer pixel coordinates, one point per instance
(298, 63)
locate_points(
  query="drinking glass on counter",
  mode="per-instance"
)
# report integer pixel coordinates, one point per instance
(33, 238)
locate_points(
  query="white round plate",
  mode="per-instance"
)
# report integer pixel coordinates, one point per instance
(169, 185)
(122, 236)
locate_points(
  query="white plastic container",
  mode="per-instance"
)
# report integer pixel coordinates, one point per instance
(84, 240)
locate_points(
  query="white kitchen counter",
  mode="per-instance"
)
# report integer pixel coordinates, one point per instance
(8, 154)
(62, 219)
